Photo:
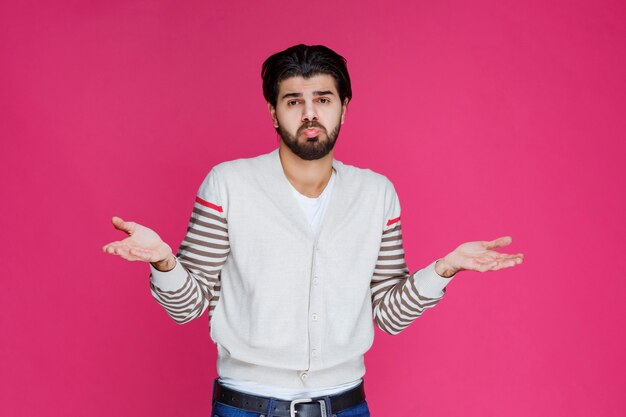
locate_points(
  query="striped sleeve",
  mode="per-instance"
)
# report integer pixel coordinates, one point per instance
(398, 298)
(193, 286)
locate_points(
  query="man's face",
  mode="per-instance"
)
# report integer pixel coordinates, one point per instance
(308, 115)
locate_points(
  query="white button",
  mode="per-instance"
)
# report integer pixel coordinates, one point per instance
(304, 375)
(315, 352)
(316, 281)
(315, 317)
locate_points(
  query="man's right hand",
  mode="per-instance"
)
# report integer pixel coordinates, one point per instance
(142, 244)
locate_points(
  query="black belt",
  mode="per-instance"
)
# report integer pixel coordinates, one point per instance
(313, 407)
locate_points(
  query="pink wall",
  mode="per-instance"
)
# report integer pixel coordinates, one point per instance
(491, 117)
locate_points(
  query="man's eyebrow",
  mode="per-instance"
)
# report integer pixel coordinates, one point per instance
(315, 93)
(290, 95)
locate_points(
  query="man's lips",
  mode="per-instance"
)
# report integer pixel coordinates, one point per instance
(311, 133)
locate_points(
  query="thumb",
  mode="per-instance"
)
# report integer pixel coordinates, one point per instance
(120, 224)
(498, 243)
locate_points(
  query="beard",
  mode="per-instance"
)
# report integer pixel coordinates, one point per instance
(312, 148)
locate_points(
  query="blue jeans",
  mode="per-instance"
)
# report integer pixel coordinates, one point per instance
(223, 410)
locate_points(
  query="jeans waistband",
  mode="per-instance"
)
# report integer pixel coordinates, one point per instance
(304, 407)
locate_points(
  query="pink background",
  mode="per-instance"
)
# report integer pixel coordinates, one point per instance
(491, 118)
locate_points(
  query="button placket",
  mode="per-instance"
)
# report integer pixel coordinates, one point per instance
(315, 313)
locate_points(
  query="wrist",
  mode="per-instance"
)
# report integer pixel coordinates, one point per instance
(166, 264)
(444, 269)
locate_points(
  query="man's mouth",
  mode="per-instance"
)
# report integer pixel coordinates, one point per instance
(311, 133)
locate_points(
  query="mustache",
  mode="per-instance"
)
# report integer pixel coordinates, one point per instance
(311, 125)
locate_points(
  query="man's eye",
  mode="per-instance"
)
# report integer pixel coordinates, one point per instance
(292, 102)
(324, 100)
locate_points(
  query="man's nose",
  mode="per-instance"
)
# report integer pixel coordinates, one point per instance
(309, 114)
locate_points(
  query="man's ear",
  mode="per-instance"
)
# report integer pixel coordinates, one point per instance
(272, 111)
(344, 108)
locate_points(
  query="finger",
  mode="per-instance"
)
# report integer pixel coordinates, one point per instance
(487, 266)
(481, 264)
(503, 265)
(505, 261)
(116, 248)
(498, 243)
(488, 256)
(508, 263)
(120, 224)
(145, 255)
(125, 253)
(109, 248)
(505, 256)
(114, 243)
(492, 256)
(122, 250)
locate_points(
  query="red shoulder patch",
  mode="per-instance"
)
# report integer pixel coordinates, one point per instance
(392, 221)
(209, 205)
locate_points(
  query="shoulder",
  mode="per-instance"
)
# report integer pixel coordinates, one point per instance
(235, 171)
(244, 166)
(372, 190)
(365, 177)
(230, 178)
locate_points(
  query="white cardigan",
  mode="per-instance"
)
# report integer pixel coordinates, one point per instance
(287, 308)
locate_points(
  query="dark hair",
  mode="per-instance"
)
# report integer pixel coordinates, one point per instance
(305, 61)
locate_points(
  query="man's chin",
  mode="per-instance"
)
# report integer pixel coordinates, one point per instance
(311, 151)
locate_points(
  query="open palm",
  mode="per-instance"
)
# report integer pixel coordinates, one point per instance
(142, 243)
(481, 256)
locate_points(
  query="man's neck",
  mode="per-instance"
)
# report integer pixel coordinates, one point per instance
(309, 178)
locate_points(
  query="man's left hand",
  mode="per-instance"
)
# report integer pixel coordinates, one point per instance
(478, 256)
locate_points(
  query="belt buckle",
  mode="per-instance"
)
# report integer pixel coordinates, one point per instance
(292, 406)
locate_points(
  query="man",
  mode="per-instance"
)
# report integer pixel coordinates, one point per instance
(293, 253)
